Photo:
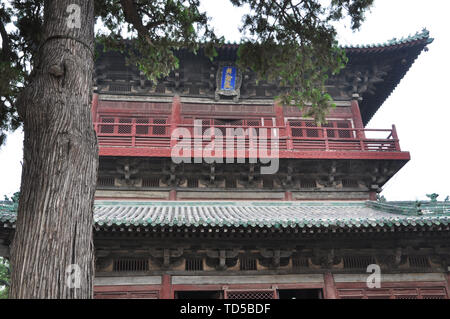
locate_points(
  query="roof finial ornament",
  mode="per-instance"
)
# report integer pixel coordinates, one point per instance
(356, 96)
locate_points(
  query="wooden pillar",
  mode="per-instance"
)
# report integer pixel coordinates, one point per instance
(330, 291)
(94, 107)
(280, 121)
(373, 196)
(356, 114)
(175, 118)
(166, 287)
(395, 137)
(279, 114)
(176, 110)
(288, 196)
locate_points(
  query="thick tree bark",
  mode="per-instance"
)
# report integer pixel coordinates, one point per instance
(55, 217)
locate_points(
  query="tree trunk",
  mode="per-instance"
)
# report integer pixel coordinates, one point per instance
(55, 216)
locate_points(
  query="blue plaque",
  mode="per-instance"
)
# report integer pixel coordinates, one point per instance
(228, 78)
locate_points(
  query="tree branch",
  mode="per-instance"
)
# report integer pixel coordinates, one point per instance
(132, 16)
(6, 43)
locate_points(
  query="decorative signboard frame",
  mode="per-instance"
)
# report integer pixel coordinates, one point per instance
(228, 81)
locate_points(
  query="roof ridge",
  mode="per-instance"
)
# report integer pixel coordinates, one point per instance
(412, 208)
(424, 34)
(419, 35)
(361, 215)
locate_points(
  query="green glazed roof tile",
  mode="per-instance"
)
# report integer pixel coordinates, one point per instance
(422, 35)
(279, 215)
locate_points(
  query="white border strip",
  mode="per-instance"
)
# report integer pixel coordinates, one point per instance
(122, 281)
(340, 278)
(263, 279)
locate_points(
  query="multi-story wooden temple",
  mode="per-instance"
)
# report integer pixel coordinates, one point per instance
(289, 211)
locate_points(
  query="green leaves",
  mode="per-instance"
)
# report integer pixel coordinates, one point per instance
(168, 25)
(293, 44)
(299, 71)
(4, 278)
(290, 43)
(20, 31)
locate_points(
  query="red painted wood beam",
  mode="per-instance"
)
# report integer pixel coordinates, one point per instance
(330, 291)
(279, 114)
(166, 152)
(356, 114)
(94, 107)
(288, 196)
(175, 118)
(176, 111)
(166, 287)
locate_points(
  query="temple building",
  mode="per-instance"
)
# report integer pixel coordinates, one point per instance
(208, 188)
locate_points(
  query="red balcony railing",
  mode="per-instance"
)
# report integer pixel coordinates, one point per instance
(286, 138)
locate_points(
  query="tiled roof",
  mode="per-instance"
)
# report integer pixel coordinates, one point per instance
(418, 36)
(273, 215)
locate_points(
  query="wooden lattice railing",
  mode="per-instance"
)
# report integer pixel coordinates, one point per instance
(158, 134)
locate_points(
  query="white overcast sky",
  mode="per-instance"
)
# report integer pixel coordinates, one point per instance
(419, 107)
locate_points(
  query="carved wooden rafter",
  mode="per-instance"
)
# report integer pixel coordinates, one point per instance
(222, 256)
(275, 255)
(128, 170)
(166, 256)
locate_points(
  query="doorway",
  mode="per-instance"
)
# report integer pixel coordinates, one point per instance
(300, 294)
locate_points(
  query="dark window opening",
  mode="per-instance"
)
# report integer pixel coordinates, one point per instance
(160, 88)
(259, 91)
(227, 97)
(268, 183)
(192, 182)
(300, 294)
(198, 295)
(105, 181)
(419, 261)
(194, 264)
(300, 262)
(308, 183)
(194, 90)
(247, 263)
(350, 183)
(150, 182)
(230, 183)
(358, 262)
(130, 264)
